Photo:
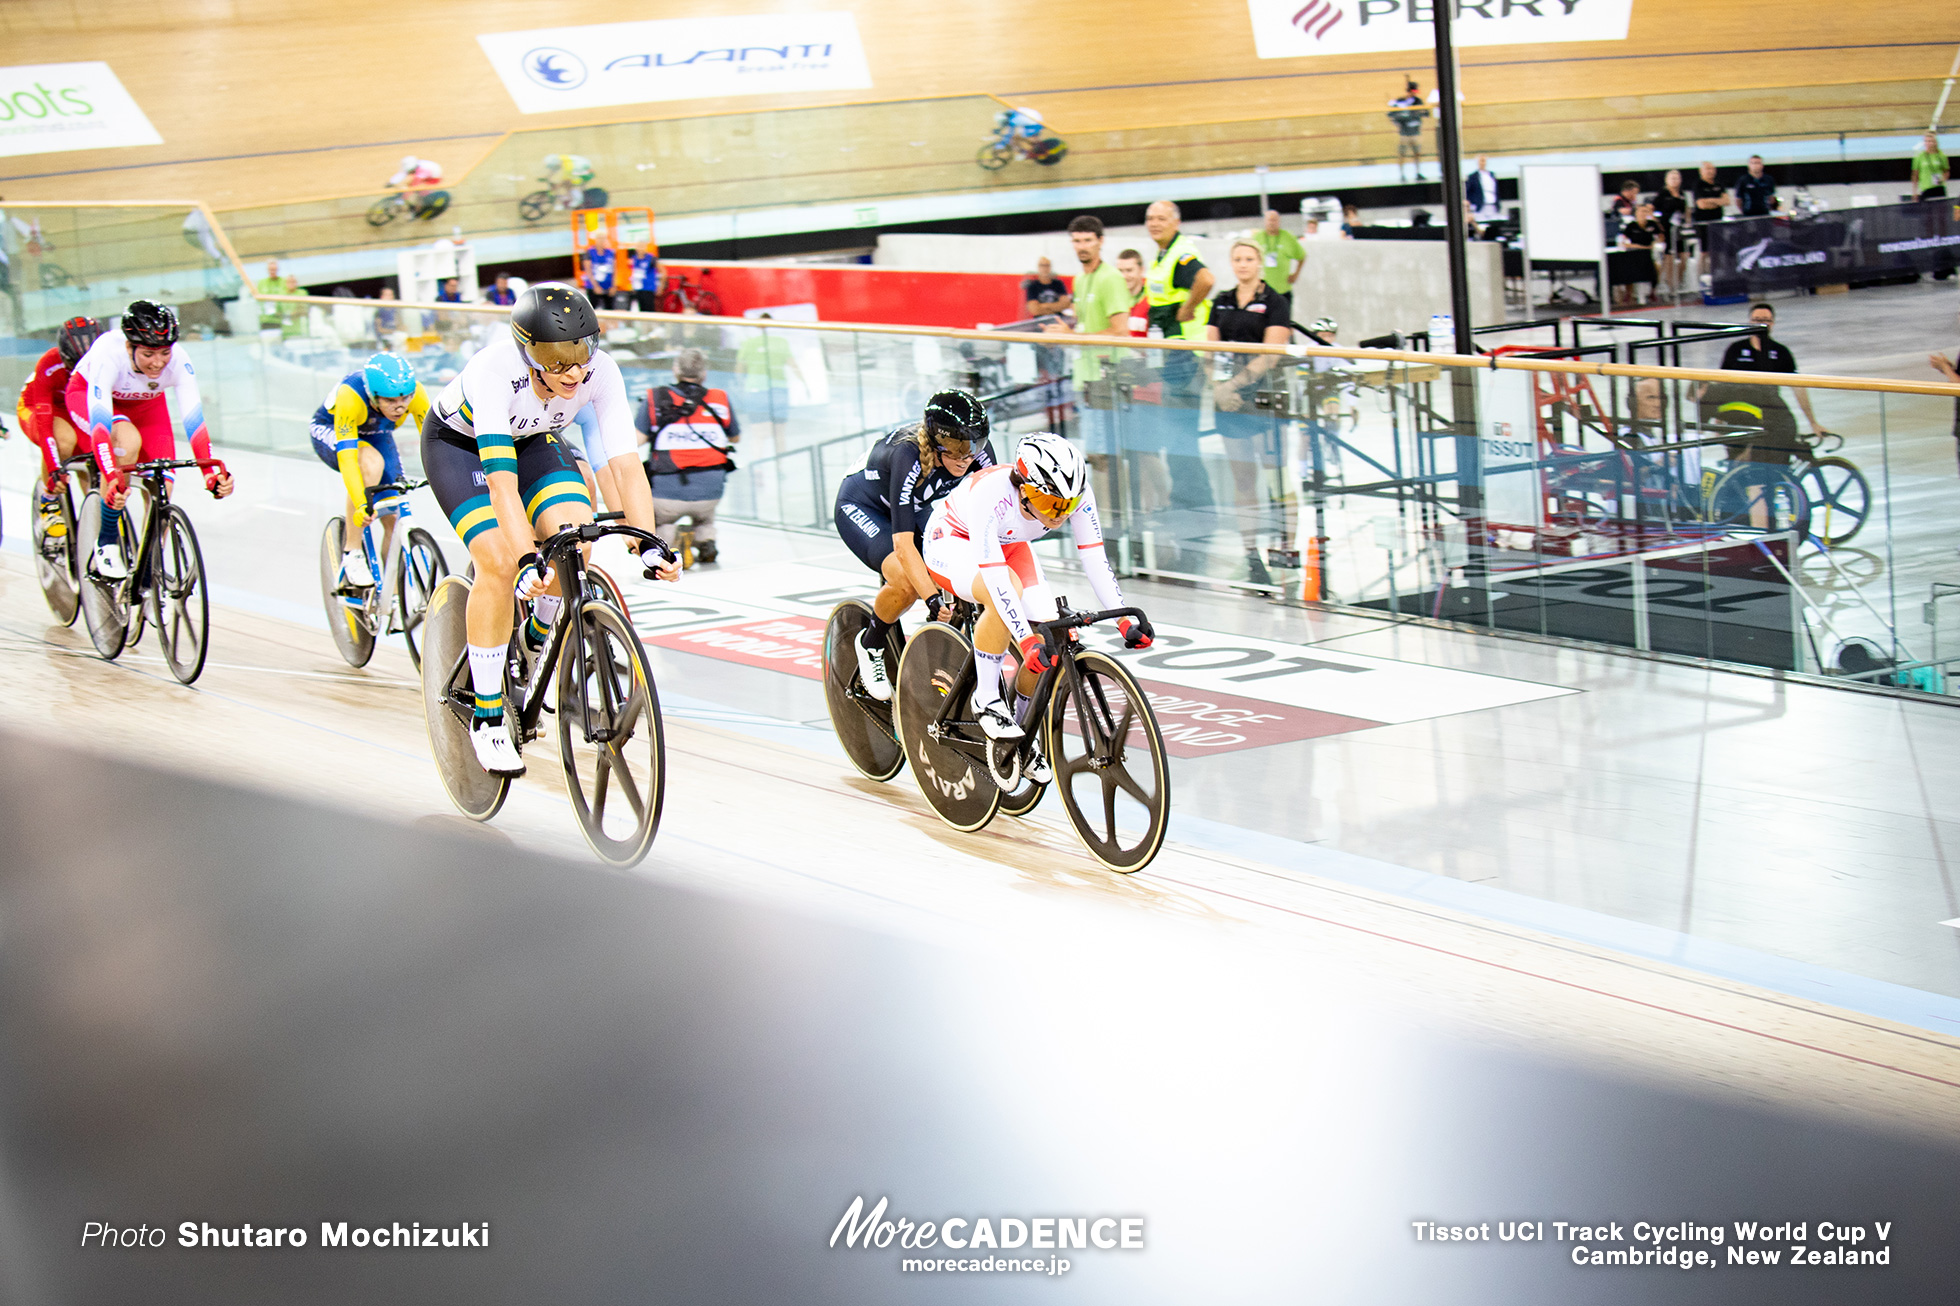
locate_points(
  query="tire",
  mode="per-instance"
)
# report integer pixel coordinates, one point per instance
(383, 211)
(476, 793)
(1023, 800)
(1760, 496)
(352, 627)
(535, 205)
(595, 197)
(610, 691)
(417, 573)
(105, 604)
(938, 661)
(1122, 839)
(707, 303)
(994, 156)
(180, 598)
(863, 724)
(433, 205)
(55, 560)
(600, 585)
(670, 301)
(1840, 499)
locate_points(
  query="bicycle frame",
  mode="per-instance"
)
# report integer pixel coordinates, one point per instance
(385, 570)
(156, 490)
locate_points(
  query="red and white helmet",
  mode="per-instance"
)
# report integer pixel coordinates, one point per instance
(1051, 465)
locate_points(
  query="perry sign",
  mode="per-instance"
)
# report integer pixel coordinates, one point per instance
(551, 68)
(1291, 29)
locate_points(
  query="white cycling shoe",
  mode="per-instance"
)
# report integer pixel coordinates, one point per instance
(354, 569)
(1036, 767)
(107, 562)
(871, 670)
(495, 752)
(996, 720)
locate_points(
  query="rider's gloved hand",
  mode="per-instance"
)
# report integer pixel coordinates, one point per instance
(659, 561)
(937, 606)
(531, 576)
(1035, 655)
(218, 483)
(1136, 634)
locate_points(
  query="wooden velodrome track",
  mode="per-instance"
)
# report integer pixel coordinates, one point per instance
(265, 102)
(276, 708)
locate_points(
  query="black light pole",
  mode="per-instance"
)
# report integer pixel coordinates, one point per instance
(1450, 154)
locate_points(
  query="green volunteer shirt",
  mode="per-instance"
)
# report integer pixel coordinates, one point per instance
(271, 315)
(763, 362)
(1278, 251)
(1100, 298)
(1928, 170)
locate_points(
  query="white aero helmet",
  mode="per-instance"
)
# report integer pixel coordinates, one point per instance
(408, 162)
(1052, 467)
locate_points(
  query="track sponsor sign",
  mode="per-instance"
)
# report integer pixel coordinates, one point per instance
(50, 108)
(1293, 29)
(547, 69)
(1213, 692)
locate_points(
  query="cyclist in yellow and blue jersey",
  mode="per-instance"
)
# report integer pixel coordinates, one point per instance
(354, 433)
(567, 174)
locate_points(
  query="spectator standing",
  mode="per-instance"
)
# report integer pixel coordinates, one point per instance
(1755, 190)
(501, 294)
(1102, 303)
(1627, 200)
(1282, 255)
(1930, 170)
(292, 316)
(1179, 285)
(1129, 266)
(764, 363)
(1151, 474)
(1251, 312)
(1350, 219)
(1708, 200)
(1480, 189)
(1406, 111)
(645, 275)
(601, 267)
(1044, 294)
(271, 316)
(691, 432)
(1642, 237)
(387, 320)
(1671, 208)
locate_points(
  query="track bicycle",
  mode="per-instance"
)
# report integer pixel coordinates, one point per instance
(1008, 144)
(389, 207)
(406, 577)
(1835, 488)
(165, 585)
(1096, 726)
(610, 742)
(680, 294)
(57, 557)
(864, 725)
(553, 200)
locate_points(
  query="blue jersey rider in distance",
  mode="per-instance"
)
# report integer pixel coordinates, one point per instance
(354, 433)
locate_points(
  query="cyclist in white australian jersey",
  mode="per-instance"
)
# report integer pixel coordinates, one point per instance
(977, 547)
(494, 451)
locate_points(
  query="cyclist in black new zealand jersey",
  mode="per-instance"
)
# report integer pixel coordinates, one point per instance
(882, 511)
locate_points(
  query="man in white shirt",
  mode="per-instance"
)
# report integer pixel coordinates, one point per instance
(1480, 188)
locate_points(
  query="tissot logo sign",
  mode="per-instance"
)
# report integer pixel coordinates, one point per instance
(52, 107)
(677, 59)
(1290, 29)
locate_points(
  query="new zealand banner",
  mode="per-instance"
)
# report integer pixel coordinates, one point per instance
(1748, 255)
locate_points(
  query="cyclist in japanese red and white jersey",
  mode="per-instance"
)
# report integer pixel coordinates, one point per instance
(977, 547)
(415, 178)
(118, 388)
(44, 415)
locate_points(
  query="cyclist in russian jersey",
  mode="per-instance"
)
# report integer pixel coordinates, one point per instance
(881, 512)
(494, 450)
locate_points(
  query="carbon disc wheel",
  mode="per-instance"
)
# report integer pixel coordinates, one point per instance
(863, 725)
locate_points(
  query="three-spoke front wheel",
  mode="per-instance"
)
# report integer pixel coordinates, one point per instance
(1111, 769)
(609, 735)
(1840, 498)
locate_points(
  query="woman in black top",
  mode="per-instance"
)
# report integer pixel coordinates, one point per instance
(1642, 238)
(1671, 208)
(1250, 313)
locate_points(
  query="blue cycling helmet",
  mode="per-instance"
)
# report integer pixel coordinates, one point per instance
(389, 376)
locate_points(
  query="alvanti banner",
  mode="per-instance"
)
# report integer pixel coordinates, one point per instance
(553, 68)
(48, 108)
(1292, 29)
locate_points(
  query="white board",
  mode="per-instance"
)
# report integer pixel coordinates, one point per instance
(1562, 205)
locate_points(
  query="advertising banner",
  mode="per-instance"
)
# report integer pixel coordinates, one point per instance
(50, 108)
(552, 68)
(1747, 255)
(1292, 29)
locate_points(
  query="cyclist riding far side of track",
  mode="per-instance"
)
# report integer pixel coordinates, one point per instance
(493, 451)
(353, 432)
(882, 510)
(119, 387)
(977, 548)
(566, 175)
(415, 178)
(45, 419)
